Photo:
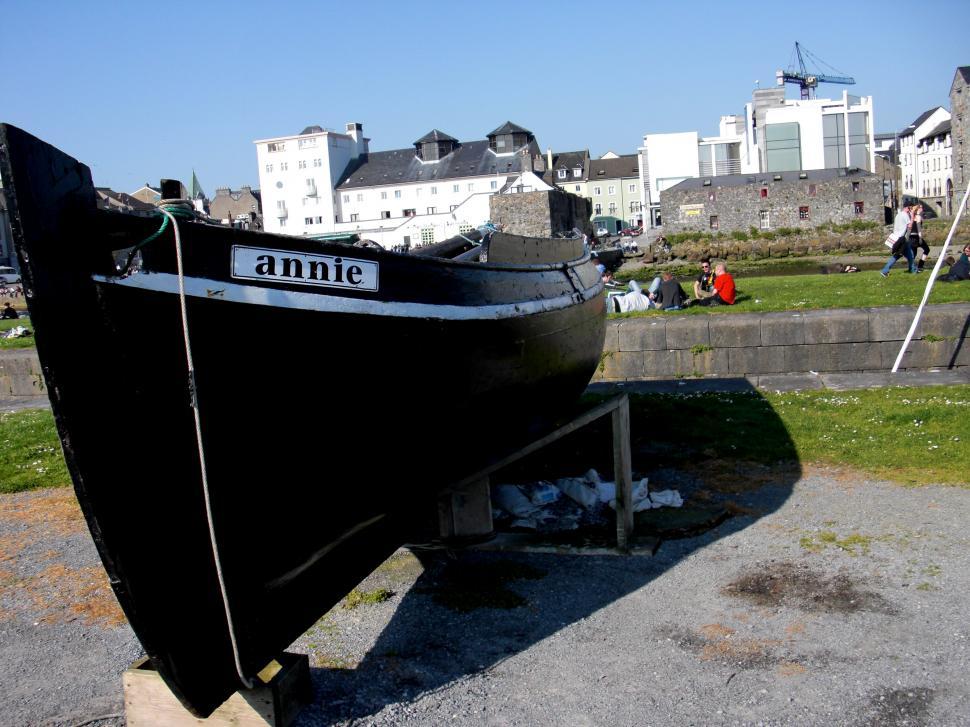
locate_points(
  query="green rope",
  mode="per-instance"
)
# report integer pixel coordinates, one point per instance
(175, 211)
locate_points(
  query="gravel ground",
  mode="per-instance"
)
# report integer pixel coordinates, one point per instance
(830, 599)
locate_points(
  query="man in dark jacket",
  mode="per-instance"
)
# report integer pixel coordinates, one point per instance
(670, 296)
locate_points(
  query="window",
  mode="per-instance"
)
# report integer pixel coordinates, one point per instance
(284, 166)
(383, 195)
(354, 217)
(307, 220)
(385, 214)
(360, 197)
(282, 222)
(859, 207)
(427, 235)
(471, 186)
(304, 143)
(612, 208)
(598, 209)
(634, 206)
(397, 194)
(611, 189)
(764, 193)
(632, 188)
(579, 188)
(408, 212)
(434, 190)
(577, 172)
(493, 184)
(855, 186)
(783, 146)
(713, 222)
(764, 218)
(346, 198)
(301, 164)
(597, 190)
(320, 220)
(277, 146)
(812, 190)
(269, 168)
(318, 162)
(562, 173)
(803, 213)
(454, 188)
(432, 210)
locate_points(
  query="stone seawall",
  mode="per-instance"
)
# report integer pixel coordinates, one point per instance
(832, 340)
(723, 344)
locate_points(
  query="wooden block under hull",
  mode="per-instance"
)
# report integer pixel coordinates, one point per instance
(276, 702)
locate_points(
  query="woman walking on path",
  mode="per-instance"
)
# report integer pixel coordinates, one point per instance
(916, 240)
(901, 227)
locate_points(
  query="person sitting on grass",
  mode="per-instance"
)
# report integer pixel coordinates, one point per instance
(635, 300)
(960, 270)
(724, 291)
(8, 312)
(704, 285)
(669, 295)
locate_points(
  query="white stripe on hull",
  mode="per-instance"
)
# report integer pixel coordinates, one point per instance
(253, 295)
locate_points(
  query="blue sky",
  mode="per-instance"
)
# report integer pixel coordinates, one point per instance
(139, 93)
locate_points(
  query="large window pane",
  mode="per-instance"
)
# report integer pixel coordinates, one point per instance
(783, 147)
(859, 140)
(833, 132)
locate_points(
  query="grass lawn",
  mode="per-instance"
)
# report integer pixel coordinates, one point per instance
(30, 455)
(913, 436)
(26, 342)
(808, 292)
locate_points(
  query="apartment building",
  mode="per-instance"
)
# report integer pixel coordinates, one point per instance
(614, 191)
(915, 151)
(774, 134)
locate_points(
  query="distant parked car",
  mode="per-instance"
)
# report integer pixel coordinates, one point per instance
(631, 231)
(602, 232)
(9, 276)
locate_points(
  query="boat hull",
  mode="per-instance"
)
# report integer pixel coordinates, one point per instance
(330, 419)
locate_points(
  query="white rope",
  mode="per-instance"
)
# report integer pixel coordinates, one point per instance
(932, 280)
(198, 437)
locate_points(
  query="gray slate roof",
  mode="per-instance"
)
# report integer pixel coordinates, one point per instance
(627, 165)
(568, 160)
(401, 166)
(509, 128)
(766, 178)
(435, 135)
(942, 128)
(965, 72)
(911, 129)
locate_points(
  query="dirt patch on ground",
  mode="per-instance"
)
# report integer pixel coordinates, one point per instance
(56, 511)
(800, 586)
(898, 707)
(720, 644)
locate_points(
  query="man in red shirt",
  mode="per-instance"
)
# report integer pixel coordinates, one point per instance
(723, 288)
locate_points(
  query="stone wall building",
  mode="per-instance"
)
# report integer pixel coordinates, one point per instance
(960, 130)
(540, 214)
(242, 207)
(767, 201)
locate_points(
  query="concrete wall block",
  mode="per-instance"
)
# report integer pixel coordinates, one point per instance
(891, 324)
(643, 334)
(836, 326)
(759, 360)
(735, 331)
(782, 329)
(687, 331)
(659, 364)
(612, 341)
(621, 366)
(944, 320)
(836, 357)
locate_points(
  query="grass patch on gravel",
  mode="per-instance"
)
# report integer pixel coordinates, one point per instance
(913, 436)
(30, 455)
(358, 597)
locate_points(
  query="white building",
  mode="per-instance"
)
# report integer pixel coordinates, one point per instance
(775, 134)
(925, 159)
(321, 182)
(297, 175)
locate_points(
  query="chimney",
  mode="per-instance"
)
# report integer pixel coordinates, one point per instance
(549, 158)
(526, 160)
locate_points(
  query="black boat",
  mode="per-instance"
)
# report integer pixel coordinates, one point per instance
(254, 422)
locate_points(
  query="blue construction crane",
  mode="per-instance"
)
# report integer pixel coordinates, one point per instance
(808, 81)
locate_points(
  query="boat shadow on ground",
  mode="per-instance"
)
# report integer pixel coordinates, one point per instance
(475, 613)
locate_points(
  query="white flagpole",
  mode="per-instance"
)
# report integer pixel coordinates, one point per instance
(932, 279)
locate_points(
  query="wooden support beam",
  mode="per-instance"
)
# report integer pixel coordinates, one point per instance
(623, 474)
